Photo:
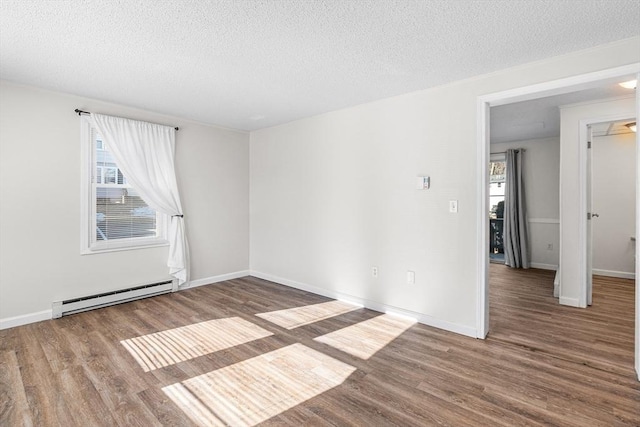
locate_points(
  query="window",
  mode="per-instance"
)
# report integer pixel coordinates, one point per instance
(497, 182)
(114, 216)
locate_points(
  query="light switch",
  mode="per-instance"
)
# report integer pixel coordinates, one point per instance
(423, 182)
(453, 206)
(411, 277)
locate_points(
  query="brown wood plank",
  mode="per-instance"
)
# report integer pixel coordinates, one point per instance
(165, 411)
(14, 409)
(47, 405)
(84, 402)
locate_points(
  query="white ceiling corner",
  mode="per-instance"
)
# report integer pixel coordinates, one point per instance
(254, 64)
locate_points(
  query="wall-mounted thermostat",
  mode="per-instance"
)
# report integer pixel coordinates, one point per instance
(423, 182)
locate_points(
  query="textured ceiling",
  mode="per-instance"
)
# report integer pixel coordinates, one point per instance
(540, 118)
(254, 64)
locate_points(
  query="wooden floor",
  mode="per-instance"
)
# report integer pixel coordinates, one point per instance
(525, 313)
(543, 364)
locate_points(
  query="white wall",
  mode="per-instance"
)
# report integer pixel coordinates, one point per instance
(572, 217)
(40, 257)
(333, 195)
(614, 196)
(542, 185)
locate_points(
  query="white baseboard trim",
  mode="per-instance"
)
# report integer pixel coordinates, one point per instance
(612, 273)
(24, 319)
(215, 279)
(544, 266)
(372, 305)
(572, 302)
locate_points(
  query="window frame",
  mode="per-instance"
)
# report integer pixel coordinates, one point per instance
(496, 158)
(88, 184)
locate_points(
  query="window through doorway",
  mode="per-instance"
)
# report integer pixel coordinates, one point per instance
(497, 183)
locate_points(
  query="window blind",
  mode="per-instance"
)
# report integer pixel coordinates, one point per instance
(120, 212)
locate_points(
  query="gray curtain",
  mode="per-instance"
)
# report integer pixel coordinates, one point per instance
(516, 240)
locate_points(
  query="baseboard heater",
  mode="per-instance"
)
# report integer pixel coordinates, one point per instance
(77, 305)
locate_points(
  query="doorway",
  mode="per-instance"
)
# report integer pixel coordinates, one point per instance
(539, 91)
(611, 200)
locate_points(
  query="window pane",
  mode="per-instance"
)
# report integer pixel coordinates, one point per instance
(498, 171)
(110, 175)
(121, 178)
(120, 211)
(122, 214)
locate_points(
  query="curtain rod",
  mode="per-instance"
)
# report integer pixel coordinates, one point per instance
(504, 152)
(80, 112)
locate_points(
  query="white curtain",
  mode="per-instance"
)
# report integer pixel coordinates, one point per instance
(516, 239)
(144, 152)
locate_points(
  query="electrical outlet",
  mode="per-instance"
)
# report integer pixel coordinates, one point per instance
(453, 206)
(374, 271)
(549, 247)
(411, 277)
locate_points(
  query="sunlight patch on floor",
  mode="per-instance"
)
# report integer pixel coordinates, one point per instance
(366, 338)
(254, 390)
(292, 318)
(160, 349)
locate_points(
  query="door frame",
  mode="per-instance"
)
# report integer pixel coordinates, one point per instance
(550, 88)
(585, 174)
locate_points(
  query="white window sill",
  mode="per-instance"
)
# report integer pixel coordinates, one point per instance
(123, 246)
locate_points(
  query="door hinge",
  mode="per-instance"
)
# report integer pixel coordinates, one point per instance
(588, 215)
(588, 144)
